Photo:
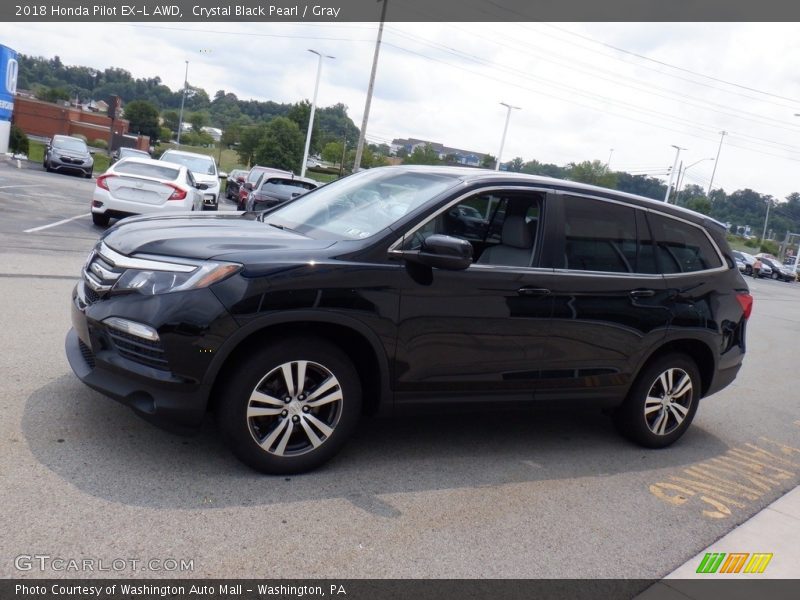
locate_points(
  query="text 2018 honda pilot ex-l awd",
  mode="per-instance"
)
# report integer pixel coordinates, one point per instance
(377, 292)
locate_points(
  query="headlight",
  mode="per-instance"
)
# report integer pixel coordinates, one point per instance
(163, 281)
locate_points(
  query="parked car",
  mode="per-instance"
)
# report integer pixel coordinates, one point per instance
(124, 152)
(250, 182)
(135, 186)
(779, 271)
(749, 260)
(65, 153)
(271, 191)
(357, 297)
(204, 170)
(234, 182)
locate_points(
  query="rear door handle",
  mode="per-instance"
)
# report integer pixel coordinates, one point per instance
(642, 293)
(530, 291)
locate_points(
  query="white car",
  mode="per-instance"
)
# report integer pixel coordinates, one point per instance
(136, 186)
(204, 169)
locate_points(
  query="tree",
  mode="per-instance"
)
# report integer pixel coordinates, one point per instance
(281, 145)
(249, 140)
(170, 119)
(423, 155)
(516, 165)
(18, 141)
(593, 172)
(198, 119)
(332, 152)
(488, 161)
(143, 118)
(700, 204)
(534, 167)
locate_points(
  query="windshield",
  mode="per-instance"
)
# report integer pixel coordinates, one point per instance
(126, 152)
(68, 143)
(286, 185)
(359, 206)
(196, 164)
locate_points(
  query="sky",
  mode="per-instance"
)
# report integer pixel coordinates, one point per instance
(582, 89)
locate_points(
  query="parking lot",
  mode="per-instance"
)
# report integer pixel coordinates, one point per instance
(519, 494)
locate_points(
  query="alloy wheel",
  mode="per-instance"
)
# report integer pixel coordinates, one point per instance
(668, 401)
(295, 408)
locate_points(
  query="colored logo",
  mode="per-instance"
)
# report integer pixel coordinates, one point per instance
(734, 562)
(12, 69)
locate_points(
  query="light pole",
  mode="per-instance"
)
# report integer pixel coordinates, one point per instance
(722, 135)
(313, 109)
(183, 99)
(608, 162)
(683, 174)
(766, 220)
(363, 134)
(505, 130)
(672, 171)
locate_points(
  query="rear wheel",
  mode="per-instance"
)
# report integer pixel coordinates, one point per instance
(99, 219)
(662, 402)
(748, 270)
(290, 407)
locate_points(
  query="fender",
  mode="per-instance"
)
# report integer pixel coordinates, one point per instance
(295, 316)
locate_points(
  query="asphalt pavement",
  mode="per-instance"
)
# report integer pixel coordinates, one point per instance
(527, 494)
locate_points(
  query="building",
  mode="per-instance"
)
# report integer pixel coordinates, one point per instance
(45, 119)
(468, 158)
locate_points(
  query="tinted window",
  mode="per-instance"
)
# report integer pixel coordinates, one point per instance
(681, 247)
(69, 143)
(286, 185)
(599, 236)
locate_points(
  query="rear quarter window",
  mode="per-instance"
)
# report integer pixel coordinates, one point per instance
(682, 247)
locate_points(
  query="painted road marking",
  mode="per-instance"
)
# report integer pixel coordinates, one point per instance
(61, 222)
(26, 185)
(733, 479)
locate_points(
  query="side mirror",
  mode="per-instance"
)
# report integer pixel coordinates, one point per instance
(92, 151)
(442, 252)
(201, 186)
(223, 175)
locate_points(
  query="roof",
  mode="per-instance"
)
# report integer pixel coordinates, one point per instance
(184, 153)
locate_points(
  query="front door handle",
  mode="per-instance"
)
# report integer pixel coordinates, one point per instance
(530, 291)
(642, 293)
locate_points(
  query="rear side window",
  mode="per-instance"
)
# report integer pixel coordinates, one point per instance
(681, 247)
(600, 236)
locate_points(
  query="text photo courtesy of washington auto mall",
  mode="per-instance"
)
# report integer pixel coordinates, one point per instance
(392, 298)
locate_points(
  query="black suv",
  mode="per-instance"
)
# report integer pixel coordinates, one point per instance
(374, 293)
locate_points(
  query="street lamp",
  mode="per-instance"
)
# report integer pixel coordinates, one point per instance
(608, 162)
(183, 99)
(505, 130)
(682, 175)
(313, 109)
(672, 171)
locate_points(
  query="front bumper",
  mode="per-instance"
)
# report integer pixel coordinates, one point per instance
(171, 390)
(57, 164)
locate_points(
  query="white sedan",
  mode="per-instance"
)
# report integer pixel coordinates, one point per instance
(136, 186)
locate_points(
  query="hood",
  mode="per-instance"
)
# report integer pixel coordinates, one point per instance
(203, 236)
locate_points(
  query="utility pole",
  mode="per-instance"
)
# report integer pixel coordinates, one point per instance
(344, 153)
(716, 162)
(505, 130)
(608, 162)
(766, 219)
(363, 134)
(183, 99)
(313, 109)
(672, 171)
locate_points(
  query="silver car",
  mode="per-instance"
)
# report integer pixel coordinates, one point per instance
(66, 153)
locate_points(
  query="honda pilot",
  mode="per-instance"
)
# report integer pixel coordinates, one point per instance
(407, 286)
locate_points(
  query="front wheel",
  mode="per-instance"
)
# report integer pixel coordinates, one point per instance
(291, 406)
(100, 219)
(775, 275)
(662, 402)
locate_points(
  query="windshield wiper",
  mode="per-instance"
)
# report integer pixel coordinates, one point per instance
(284, 228)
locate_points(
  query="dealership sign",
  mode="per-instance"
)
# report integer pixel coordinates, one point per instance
(8, 77)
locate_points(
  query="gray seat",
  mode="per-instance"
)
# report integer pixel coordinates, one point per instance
(515, 247)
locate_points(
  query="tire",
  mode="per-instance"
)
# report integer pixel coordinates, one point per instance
(88, 175)
(260, 441)
(748, 270)
(99, 219)
(775, 275)
(210, 207)
(47, 166)
(644, 418)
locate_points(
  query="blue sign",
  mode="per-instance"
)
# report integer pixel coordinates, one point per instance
(8, 81)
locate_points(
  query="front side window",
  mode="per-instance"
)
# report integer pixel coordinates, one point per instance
(681, 247)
